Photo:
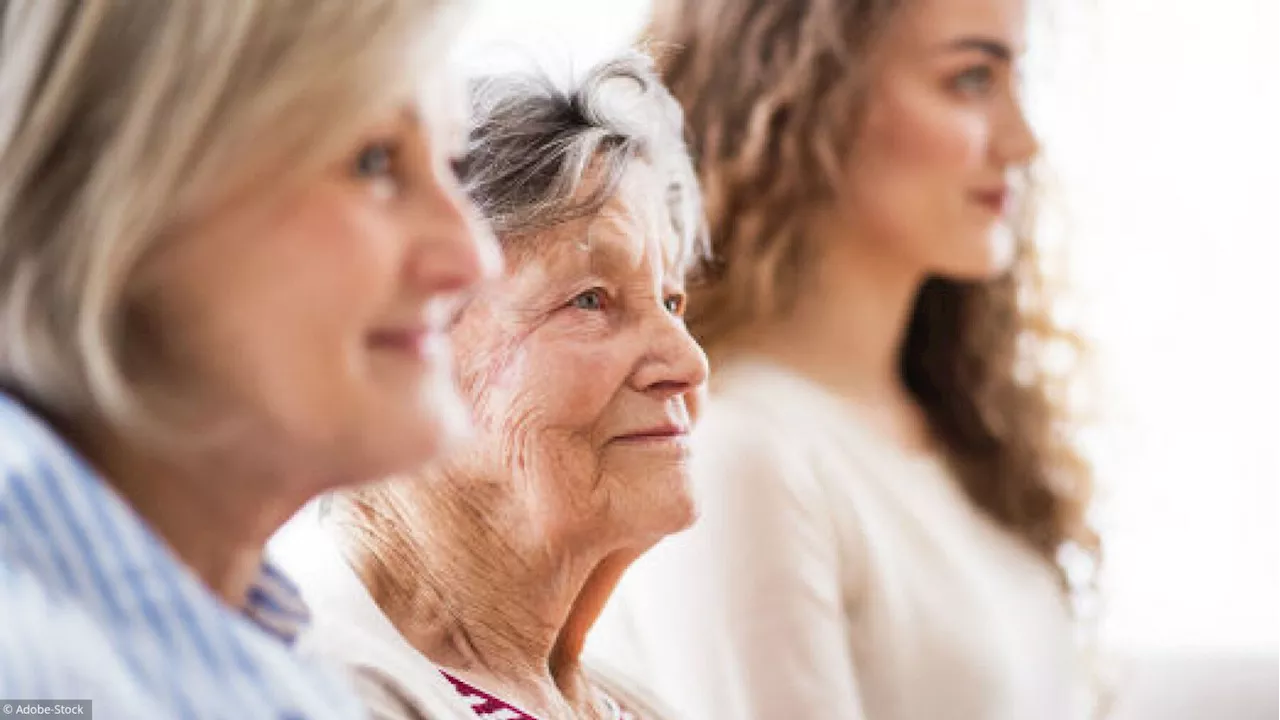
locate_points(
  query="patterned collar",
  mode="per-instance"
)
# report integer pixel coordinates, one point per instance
(488, 706)
(275, 603)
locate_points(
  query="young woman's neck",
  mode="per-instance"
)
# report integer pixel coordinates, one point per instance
(847, 327)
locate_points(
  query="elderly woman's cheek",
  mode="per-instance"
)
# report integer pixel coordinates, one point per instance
(508, 401)
(577, 378)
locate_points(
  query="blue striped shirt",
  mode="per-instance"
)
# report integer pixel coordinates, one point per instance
(94, 606)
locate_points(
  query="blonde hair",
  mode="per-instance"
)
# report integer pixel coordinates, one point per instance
(120, 119)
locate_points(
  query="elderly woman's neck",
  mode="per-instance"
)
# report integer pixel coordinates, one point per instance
(510, 617)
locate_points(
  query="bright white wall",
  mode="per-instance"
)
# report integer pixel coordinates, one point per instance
(576, 31)
(1171, 165)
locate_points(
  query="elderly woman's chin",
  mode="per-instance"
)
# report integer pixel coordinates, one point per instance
(661, 500)
(679, 508)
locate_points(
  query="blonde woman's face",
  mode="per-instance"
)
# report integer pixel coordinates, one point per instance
(936, 171)
(315, 317)
(579, 366)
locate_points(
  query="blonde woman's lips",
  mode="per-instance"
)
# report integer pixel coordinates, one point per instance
(416, 343)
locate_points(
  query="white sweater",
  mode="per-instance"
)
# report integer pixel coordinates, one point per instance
(832, 577)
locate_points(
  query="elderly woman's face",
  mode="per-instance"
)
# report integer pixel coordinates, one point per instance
(578, 365)
(316, 317)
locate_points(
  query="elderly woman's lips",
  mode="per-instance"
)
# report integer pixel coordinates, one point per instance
(668, 441)
(654, 435)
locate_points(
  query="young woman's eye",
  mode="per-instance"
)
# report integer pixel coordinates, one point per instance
(674, 304)
(976, 80)
(593, 300)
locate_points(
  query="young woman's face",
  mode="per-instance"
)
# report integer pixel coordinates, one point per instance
(934, 178)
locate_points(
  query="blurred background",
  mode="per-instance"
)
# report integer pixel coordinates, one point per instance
(1161, 126)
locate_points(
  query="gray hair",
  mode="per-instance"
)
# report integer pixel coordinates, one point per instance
(120, 118)
(533, 144)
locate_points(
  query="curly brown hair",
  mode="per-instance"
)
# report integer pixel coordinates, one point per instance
(768, 88)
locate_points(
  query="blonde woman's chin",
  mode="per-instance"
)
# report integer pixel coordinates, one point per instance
(447, 417)
(421, 424)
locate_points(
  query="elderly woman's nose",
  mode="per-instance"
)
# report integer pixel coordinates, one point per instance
(454, 248)
(676, 363)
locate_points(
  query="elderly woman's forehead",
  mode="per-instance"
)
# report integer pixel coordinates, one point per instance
(636, 212)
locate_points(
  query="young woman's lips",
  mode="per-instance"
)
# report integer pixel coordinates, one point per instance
(993, 200)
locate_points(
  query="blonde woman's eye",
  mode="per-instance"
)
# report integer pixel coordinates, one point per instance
(377, 160)
(675, 304)
(592, 300)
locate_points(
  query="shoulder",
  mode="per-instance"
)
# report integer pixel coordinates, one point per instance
(349, 632)
(756, 407)
(760, 440)
(54, 642)
(778, 477)
(34, 464)
(385, 698)
(25, 437)
(636, 701)
(44, 488)
(31, 454)
(391, 690)
(54, 647)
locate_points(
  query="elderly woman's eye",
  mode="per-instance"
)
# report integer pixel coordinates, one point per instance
(675, 304)
(592, 299)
